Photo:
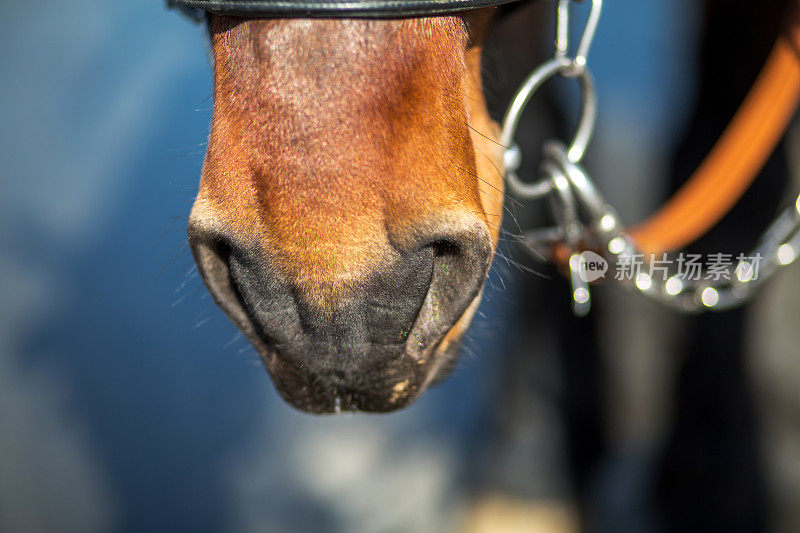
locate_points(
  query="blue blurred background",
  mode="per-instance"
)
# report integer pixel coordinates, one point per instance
(128, 402)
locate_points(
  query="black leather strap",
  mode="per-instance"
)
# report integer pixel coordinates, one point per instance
(334, 8)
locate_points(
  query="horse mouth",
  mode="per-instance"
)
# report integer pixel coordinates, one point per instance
(389, 390)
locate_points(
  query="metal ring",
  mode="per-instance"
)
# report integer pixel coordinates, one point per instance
(522, 98)
(585, 190)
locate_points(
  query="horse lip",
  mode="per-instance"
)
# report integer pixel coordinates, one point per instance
(318, 395)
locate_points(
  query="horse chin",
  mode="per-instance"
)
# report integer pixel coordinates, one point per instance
(380, 390)
(310, 394)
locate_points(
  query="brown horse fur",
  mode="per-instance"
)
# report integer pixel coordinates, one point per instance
(350, 200)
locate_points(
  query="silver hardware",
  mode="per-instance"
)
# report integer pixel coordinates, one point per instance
(778, 247)
(562, 35)
(567, 67)
(581, 297)
(577, 149)
(585, 221)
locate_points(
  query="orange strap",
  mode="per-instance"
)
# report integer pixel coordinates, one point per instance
(738, 156)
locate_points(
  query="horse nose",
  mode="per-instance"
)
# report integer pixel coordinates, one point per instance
(342, 333)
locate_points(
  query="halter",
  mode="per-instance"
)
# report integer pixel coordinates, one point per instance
(335, 8)
(588, 229)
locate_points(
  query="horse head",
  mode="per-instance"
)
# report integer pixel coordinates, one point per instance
(350, 199)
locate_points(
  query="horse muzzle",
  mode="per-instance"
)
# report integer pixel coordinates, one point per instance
(371, 343)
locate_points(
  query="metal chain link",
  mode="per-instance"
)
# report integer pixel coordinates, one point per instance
(588, 227)
(690, 292)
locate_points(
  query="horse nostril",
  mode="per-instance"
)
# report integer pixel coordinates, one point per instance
(444, 247)
(213, 251)
(205, 241)
(462, 255)
(394, 296)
